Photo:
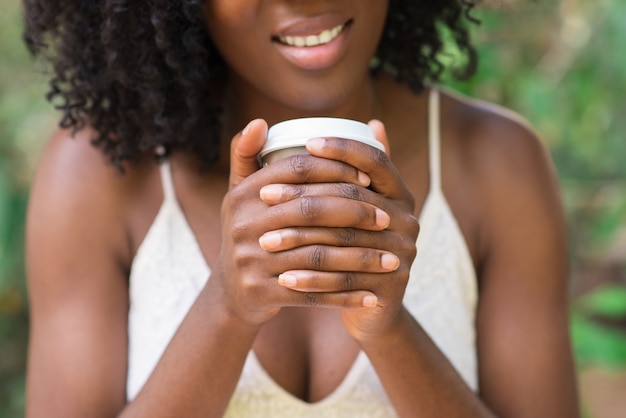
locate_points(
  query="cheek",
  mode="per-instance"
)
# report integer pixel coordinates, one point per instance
(376, 16)
(231, 25)
(228, 12)
(239, 30)
(227, 20)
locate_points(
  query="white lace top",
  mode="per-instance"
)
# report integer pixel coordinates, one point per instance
(170, 270)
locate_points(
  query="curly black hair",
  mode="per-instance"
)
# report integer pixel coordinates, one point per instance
(144, 73)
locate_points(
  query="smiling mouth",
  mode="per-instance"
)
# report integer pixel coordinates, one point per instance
(309, 41)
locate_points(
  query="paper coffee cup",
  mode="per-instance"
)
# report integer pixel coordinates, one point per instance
(289, 137)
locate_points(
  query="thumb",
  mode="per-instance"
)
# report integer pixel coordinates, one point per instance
(379, 131)
(244, 149)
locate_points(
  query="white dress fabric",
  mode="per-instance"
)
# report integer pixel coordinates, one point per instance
(169, 271)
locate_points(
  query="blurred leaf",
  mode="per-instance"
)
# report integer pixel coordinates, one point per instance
(608, 301)
(597, 344)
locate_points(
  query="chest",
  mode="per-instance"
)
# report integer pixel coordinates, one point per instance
(306, 351)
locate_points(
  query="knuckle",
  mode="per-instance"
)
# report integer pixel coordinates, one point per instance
(239, 229)
(296, 235)
(350, 191)
(309, 207)
(414, 226)
(408, 247)
(249, 284)
(405, 271)
(379, 158)
(298, 166)
(348, 281)
(311, 299)
(370, 259)
(346, 301)
(243, 257)
(316, 257)
(374, 257)
(403, 274)
(237, 195)
(412, 251)
(409, 228)
(368, 214)
(297, 191)
(341, 145)
(314, 282)
(347, 236)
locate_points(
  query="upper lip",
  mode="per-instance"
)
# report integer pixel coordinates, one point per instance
(310, 25)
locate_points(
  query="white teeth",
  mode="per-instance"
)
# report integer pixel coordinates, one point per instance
(312, 40)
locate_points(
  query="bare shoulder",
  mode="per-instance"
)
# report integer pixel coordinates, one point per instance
(522, 252)
(499, 147)
(507, 167)
(77, 191)
(78, 254)
(494, 137)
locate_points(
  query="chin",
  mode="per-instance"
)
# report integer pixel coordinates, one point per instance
(320, 105)
(325, 98)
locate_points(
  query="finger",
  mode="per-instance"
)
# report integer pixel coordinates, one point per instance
(290, 238)
(328, 211)
(323, 281)
(282, 296)
(273, 194)
(381, 134)
(304, 168)
(344, 300)
(328, 258)
(279, 193)
(375, 163)
(244, 149)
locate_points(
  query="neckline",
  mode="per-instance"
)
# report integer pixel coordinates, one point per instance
(356, 369)
(360, 361)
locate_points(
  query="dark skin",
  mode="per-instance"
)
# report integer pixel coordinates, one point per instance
(86, 222)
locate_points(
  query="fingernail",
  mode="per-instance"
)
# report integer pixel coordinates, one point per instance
(364, 179)
(271, 193)
(270, 240)
(287, 280)
(246, 129)
(370, 301)
(389, 262)
(315, 144)
(382, 219)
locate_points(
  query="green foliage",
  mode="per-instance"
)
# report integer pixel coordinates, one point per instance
(24, 118)
(608, 301)
(597, 327)
(562, 65)
(597, 344)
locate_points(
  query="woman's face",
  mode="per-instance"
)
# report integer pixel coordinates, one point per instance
(305, 55)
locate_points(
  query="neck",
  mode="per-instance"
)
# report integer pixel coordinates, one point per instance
(244, 103)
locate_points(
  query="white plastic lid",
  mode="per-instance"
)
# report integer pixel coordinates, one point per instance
(296, 132)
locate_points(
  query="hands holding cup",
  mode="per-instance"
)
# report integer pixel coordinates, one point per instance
(334, 225)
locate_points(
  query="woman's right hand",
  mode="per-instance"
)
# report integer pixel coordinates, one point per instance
(244, 279)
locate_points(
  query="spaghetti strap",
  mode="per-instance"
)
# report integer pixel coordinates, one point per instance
(167, 182)
(434, 140)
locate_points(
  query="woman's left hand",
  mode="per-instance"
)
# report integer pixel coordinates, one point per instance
(387, 192)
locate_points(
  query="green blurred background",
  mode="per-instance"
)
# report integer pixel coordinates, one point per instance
(561, 64)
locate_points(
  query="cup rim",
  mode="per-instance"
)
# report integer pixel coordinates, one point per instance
(289, 133)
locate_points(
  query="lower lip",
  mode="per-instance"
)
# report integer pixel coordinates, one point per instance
(318, 57)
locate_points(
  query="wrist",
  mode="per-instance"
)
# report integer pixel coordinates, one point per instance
(401, 325)
(226, 315)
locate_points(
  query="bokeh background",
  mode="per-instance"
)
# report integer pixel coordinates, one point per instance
(560, 63)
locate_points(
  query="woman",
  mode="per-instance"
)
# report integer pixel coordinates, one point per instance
(182, 280)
